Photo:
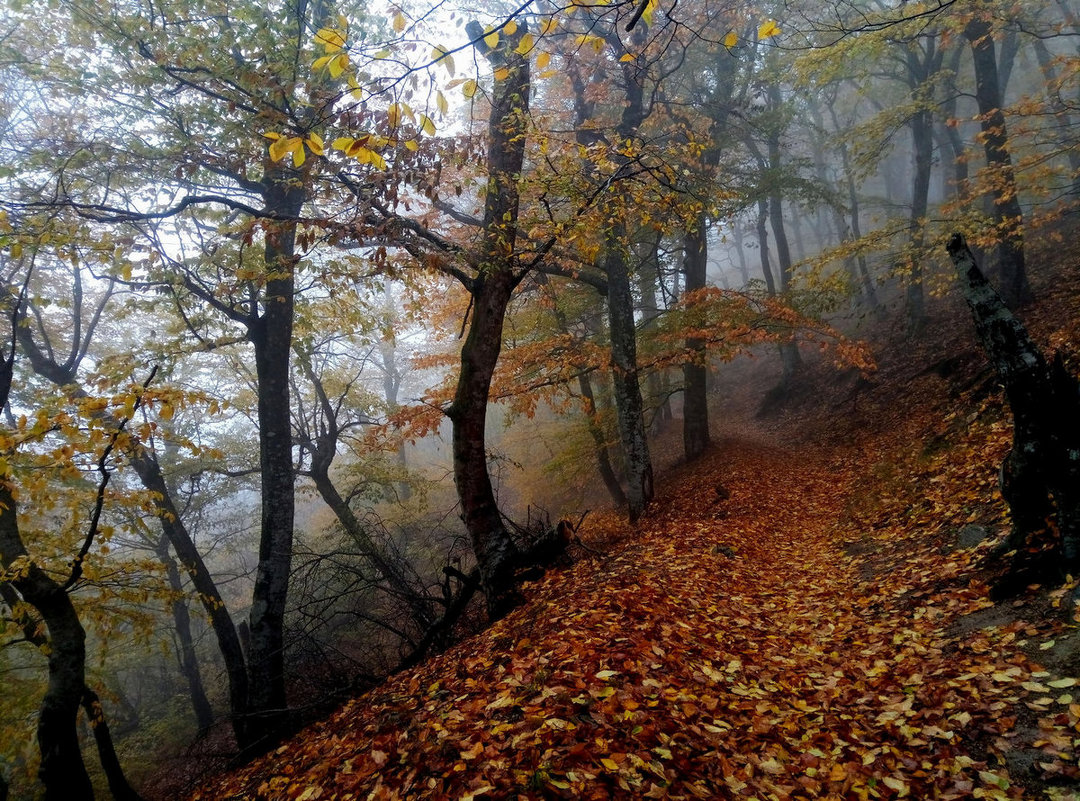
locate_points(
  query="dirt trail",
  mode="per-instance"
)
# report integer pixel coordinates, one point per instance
(750, 646)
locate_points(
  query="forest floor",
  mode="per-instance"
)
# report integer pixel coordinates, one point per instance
(803, 614)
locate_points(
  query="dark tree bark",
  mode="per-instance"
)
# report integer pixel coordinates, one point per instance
(118, 784)
(1007, 212)
(789, 350)
(695, 372)
(615, 263)
(648, 282)
(1041, 474)
(763, 245)
(923, 61)
(491, 290)
(627, 389)
(110, 763)
(189, 662)
(62, 769)
(270, 334)
(603, 450)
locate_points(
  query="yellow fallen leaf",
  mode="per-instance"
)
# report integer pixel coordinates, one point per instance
(896, 784)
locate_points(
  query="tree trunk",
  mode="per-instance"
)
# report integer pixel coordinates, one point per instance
(228, 640)
(491, 290)
(110, 763)
(271, 335)
(62, 769)
(189, 662)
(627, 387)
(922, 140)
(763, 246)
(695, 372)
(1041, 474)
(627, 390)
(648, 281)
(853, 229)
(790, 359)
(1007, 213)
(391, 386)
(603, 450)
(740, 252)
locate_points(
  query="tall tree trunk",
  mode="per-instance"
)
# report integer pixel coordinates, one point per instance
(118, 784)
(627, 388)
(491, 290)
(648, 281)
(270, 334)
(763, 245)
(789, 349)
(189, 661)
(695, 372)
(1061, 111)
(62, 769)
(1007, 213)
(603, 450)
(225, 633)
(921, 125)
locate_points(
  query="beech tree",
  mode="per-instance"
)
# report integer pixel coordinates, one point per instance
(35, 595)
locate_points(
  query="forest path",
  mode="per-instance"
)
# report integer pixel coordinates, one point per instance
(757, 646)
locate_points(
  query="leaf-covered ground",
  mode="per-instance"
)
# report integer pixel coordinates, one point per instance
(807, 621)
(767, 645)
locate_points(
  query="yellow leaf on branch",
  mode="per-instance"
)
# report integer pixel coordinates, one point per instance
(332, 40)
(525, 45)
(767, 29)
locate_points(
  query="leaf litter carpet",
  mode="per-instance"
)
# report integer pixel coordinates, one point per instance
(770, 645)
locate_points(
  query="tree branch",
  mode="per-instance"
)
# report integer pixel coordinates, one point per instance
(106, 475)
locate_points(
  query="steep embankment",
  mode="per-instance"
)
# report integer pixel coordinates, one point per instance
(799, 638)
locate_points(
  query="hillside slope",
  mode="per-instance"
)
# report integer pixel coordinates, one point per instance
(806, 621)
(760, 646)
